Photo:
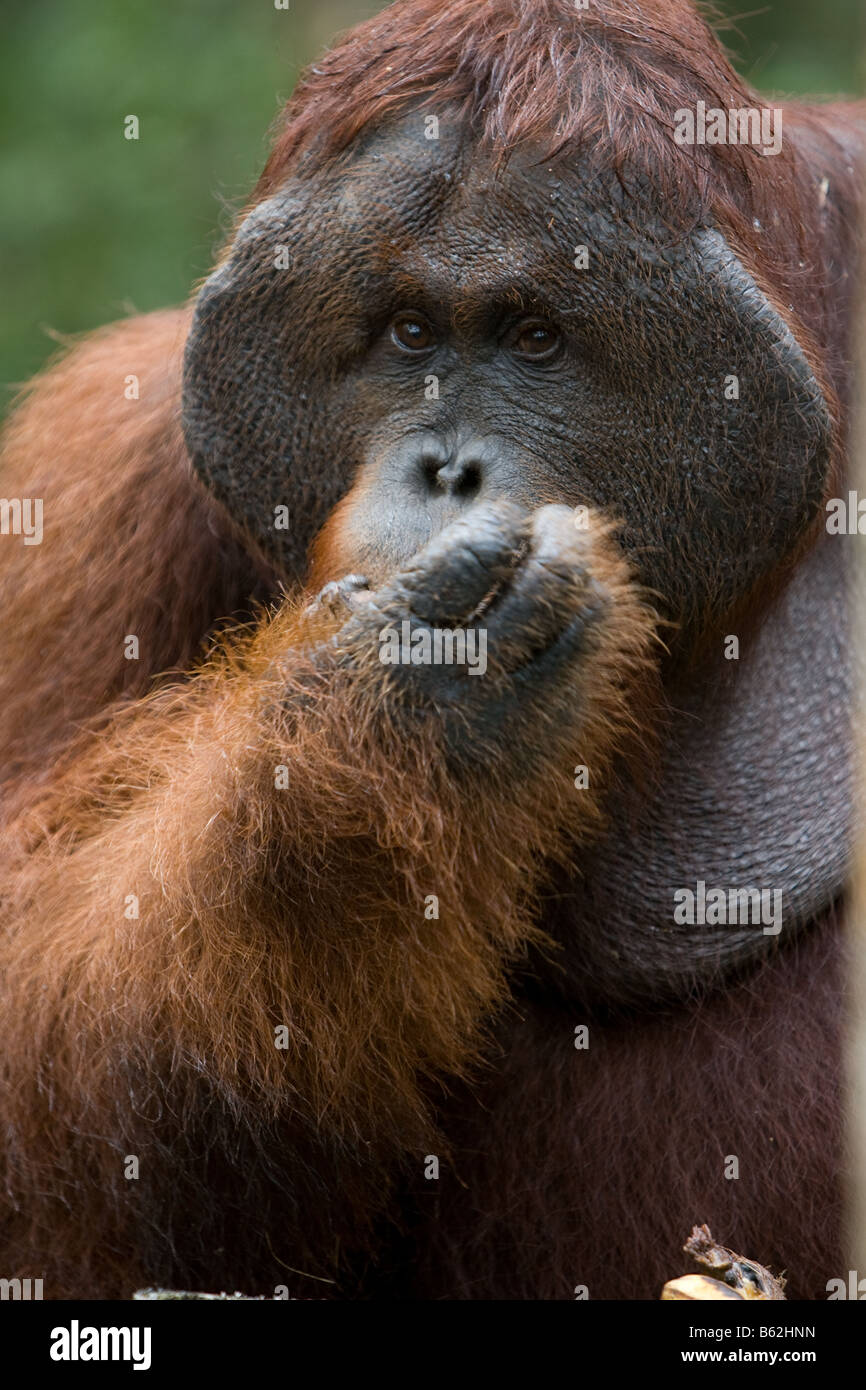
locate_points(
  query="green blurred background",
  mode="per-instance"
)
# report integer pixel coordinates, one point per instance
(94, 226)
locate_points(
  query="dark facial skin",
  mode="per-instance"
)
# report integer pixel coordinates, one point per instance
(415, 259)
(308, 383)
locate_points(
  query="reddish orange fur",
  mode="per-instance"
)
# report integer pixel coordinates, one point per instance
(132, 543)
(257, 907)
(154, 1036)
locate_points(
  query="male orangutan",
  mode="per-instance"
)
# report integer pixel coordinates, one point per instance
(373, 977)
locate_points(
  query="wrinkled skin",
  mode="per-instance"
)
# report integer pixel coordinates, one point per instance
(526, 582)
(609, 421)
(611, 468)
(628, 415)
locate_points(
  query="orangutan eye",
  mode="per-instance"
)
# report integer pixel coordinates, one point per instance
(536, 339)
(412, 333)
